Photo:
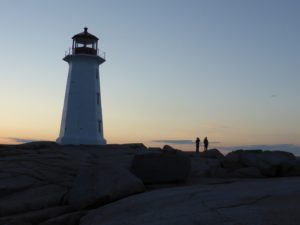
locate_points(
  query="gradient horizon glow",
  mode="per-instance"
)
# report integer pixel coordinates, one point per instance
(175, 69)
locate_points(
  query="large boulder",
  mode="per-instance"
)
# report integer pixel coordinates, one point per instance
(101, 184)
(232, 160)
(161, 168)
(247, 172)
(267, 157)
(219, 172)
(236, 155)
(268, 162)
(212, 153)
(290, 168)
(201, 167)
(231, 164)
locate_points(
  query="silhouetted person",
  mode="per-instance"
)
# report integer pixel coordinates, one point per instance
(205, 142)
(197, 144)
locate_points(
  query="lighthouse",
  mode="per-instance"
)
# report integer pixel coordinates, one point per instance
(81, 121)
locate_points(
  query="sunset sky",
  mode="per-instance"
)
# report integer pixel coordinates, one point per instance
(175, 70)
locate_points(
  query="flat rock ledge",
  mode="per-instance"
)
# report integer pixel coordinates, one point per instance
(43, 183)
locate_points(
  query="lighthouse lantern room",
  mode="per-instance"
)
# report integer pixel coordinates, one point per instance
(82, 113)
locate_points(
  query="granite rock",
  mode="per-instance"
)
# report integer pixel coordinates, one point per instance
(161, 168)
(101, 184)
(212, 153)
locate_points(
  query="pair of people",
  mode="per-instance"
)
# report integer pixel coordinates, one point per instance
(205, 142)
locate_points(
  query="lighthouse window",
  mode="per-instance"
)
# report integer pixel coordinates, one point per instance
(97, 75)
(98, 98)
(79, 45)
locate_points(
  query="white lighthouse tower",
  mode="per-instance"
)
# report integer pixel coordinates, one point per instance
(82, 114)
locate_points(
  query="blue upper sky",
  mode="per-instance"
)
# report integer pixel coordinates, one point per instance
(175, 69)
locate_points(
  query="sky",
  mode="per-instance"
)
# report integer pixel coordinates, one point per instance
(174, 70)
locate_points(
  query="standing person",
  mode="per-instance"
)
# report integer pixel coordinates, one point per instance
(197, 144)
(205, 142)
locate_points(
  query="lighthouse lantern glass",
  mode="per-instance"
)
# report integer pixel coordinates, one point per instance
(85, 43)
(85, 47)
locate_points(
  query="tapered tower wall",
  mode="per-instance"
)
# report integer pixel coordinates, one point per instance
(82, 113)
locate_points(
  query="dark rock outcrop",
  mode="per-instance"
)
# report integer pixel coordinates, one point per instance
(212, 153)
(269, 163)
(44, 183)
(290, 168)
(161, 168)
(247, 172)
(36, 179)
(31, 199)
(168, 148)
(99, 185)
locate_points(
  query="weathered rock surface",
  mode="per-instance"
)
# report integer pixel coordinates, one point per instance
(31, 199)
(290, 168)
(161, 168)
(201, 167)
(247, 172)
(247, 202)
(37, 216)
(101, 184)
(36, 178)
(269, 163)
(66, 219)
(41, 182)
(256, 157)
(16, 222)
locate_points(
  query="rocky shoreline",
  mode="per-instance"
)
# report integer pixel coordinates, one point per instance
(43, 183)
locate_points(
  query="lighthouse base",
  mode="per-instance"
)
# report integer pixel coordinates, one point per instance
(80, 141)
